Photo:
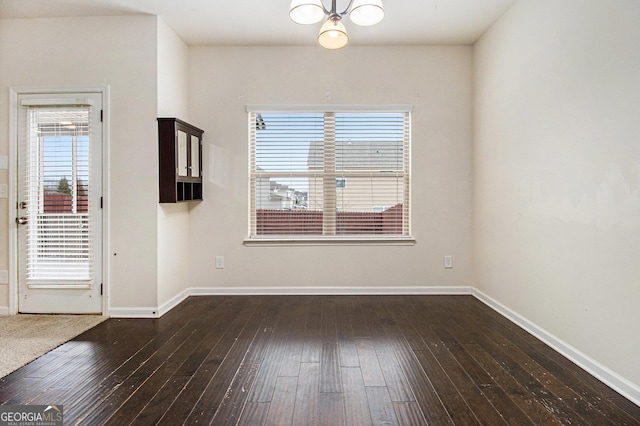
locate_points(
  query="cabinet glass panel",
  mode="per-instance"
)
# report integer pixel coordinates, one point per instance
(195, 156)
(182, 153)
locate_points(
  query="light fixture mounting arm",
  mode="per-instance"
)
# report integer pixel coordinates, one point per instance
(333, 13)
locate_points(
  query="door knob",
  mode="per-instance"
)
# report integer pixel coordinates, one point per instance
(21, 220)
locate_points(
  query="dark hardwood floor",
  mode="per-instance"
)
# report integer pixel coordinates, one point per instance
(307, 360)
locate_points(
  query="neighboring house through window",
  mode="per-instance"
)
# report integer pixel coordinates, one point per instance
(329, 173)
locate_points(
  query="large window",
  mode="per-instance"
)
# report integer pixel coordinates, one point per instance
(329, 174)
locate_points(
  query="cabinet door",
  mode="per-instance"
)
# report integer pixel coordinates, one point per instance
(195, 156)
(183, 158)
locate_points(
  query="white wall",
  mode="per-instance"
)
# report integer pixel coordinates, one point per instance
(173, 219)
(173, 74)
(436, 80)
(557, 172)
(121, 52)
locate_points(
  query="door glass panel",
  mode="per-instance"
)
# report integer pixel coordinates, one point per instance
(182, 153)
(59, 235)
(195, 156)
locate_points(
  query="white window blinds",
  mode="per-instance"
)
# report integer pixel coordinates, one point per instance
(58, 188)
(330, 174)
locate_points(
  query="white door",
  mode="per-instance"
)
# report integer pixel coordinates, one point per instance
(59, 196)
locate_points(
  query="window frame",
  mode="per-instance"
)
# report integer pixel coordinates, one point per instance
(340, 239)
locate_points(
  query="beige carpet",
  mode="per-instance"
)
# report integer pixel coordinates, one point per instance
(24, 338)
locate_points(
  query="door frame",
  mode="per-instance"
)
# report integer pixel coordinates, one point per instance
(14, 92)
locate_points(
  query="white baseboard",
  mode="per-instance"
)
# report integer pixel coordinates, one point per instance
(173, 302)
(612, 379)
(4, 310)
(299, 291)
(149, 312)
(134, 312)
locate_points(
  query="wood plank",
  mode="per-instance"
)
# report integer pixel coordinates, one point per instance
(15, 392)
(565, 401)
(111, 360)
(311, 347)
(307, 410)
(283, 401)
(221, 382)
(122, 381)
(369, 364)
(370, 315)
(236, 396)
(292, 354)
(264, 385)
(429, 401)
(380, 406)
(454, 402)
(63, 356)
(580, 382)
(409, 413)
(397, 307)
(357, 319)
(356, 405)
(446, 395)
(254, 414)
(348, 353)
(510, 411)
(525, 401)
(535, 410)
(331, 409)
(344, 328)
(577, 404)
(524, 350)
(399, 388)
(537, 390)
(330, 372)
(314, 314)
(157, 372)
(161, 401)
(438, 354)
(192, 393)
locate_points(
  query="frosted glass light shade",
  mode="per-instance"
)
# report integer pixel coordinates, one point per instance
(333, 35)
(306, 11)
(366, 12)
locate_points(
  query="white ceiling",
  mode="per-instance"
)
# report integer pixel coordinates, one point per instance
(266, 22)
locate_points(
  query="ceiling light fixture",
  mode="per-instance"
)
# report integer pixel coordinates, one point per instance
(333, 33)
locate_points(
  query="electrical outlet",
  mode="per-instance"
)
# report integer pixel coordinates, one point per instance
(448, 262)
(219, 262)
(4, 190)
(4, 277)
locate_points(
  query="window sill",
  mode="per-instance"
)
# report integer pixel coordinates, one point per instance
(329, 241)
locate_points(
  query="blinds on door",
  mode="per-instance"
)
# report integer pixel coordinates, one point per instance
(329, 173)
(59, 235)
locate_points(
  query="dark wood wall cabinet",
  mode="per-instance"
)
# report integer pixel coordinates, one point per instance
(180, 152)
